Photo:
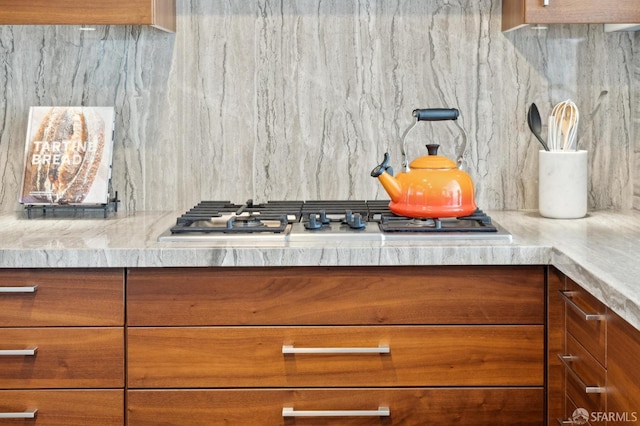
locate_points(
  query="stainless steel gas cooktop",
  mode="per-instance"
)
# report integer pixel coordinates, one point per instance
(318, 221)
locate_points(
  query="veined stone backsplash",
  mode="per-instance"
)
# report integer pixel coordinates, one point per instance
(635, 132)
(299, 99)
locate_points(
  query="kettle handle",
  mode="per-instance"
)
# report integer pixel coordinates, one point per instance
(436, 114)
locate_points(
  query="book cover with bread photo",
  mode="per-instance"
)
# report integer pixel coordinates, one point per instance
(68, 155)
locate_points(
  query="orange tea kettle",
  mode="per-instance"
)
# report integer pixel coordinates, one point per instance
(432, 186)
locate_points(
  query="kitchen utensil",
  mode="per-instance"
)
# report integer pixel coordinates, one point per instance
(563, 126)
(432, 186)
(535, 124)
(568, 120)
(554, 127)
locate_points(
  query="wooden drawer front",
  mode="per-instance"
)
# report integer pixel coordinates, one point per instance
(64, 407)
(584, 371)
(65, 358)
(591, 333)
(418, 406)
(76, 297)
(344, 295)
(623, 374)
(582, 12)
(252, 356)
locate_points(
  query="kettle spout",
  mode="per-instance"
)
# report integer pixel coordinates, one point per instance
(384, 173)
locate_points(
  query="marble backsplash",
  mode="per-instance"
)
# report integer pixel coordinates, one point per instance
(635, 132)
(299, 99)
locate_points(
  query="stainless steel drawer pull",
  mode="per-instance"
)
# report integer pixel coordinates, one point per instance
(19, 352)
(566, 295)
(566, 360)
(562, 422)
(29, 414)
(289, 349)
(25, 289)
(380, 412)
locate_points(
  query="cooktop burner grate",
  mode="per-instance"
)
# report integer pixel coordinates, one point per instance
(476, 222)
(322, 217)
(229, 218)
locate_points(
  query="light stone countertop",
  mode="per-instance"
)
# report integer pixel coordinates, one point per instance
(601, 251)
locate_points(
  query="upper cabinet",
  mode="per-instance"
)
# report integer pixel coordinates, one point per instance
(157, 13)
(516, 13)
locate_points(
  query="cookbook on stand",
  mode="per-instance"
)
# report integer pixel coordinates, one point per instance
(68, 156)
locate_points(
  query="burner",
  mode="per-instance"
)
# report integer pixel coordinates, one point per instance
(419, 223)
(477, 222)
(319, 221)
(246, 222)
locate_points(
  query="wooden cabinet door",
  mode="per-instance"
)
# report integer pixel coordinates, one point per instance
(61, 297)
(63, 407)
(584, 371)
(520, 12)
(412, 406)
(335, 295)
(417, 356)
(63, 358)
(587, 321)
(623, 373)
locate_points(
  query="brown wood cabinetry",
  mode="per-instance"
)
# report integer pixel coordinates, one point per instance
(63, 407)
(599, 359)
(232, 357)
(583, 356)
(157, 13)
(339, 295)
(406, 406)
(403, 345)
(623, 373)
(335, 345)
(62, 346)
(555, 345)
(63, 357)
(516, 13)
(60, 297)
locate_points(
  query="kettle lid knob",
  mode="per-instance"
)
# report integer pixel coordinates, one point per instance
(432, 148)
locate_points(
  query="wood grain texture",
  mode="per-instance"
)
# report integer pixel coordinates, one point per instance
(582, 11)
(555, 345)
(623, 374)
(420, 406)
(520, 12)
(513, 14)
(66, 358)
(591, 373)
(65, 407)
(591, 334)
(339, 295)
(64, 297)
(97, 12)
(252, 356)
